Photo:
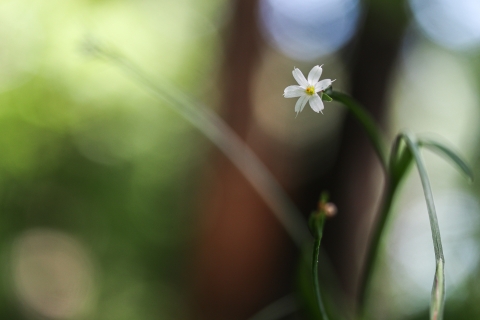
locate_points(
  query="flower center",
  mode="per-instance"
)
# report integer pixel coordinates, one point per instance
(310, 90)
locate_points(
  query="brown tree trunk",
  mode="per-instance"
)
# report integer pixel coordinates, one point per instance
(239, 268)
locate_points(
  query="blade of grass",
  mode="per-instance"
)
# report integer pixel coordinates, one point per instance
(438, 289)
(405, 149)
(445, 151)
(217, 131)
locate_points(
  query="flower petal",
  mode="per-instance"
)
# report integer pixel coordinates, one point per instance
(314, 75)
(322, 85)
(316, 103)
(302, 101)
(298, 75)
(293, 91)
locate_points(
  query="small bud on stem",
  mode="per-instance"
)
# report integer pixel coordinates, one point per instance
(330, 209)
(327, 208)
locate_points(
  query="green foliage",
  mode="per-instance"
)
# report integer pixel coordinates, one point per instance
(438, 289)
(446, 152)
(326, 97)
(405, 150)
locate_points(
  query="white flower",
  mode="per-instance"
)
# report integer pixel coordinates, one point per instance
(308, 90)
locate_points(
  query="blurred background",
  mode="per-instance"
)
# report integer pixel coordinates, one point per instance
(112, 206)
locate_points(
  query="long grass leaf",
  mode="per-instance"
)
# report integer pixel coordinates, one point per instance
(220, 134)
(445, 151)
(438, 289)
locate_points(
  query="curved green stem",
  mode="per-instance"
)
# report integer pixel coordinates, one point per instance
(366, 121)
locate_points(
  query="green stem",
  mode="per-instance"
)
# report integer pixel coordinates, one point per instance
(366, 121)
(319, 222)
(411, 142)
(395, 171)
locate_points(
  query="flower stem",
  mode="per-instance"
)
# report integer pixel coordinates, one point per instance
(317, 223)
(366, 121)
(378, 142)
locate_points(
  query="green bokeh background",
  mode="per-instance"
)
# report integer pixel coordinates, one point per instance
(88, 152)
(89, 156)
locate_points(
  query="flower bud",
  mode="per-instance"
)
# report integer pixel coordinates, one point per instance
(329, 209)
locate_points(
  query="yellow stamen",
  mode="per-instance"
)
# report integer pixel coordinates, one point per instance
(310, 90)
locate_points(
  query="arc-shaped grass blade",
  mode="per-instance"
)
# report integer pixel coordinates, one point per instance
(448, 153)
